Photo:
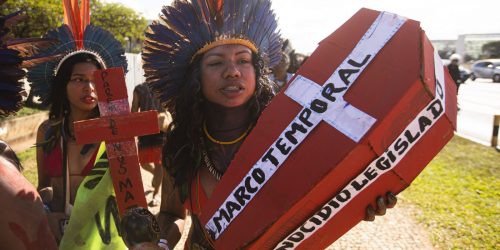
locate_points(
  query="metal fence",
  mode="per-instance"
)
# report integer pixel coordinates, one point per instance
(135, 74)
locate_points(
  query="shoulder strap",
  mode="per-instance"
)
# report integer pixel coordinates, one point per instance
(65, 175)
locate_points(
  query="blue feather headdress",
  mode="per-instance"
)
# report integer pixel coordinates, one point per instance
(75, 37)
(14, 55)
(189, 28)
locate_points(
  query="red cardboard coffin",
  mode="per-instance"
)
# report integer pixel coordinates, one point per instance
(364, 115)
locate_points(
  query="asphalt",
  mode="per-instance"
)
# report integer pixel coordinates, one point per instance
(396, 230)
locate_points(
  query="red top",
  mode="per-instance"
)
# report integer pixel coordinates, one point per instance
(197, 199)
(195, 203)
(53, 163)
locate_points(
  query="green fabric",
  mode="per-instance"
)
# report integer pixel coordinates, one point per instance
(92, 221)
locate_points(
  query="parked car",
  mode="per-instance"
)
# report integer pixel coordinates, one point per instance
(464, 73)
(486, 69)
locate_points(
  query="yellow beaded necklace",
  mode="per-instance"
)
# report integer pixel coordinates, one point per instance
(205, 130)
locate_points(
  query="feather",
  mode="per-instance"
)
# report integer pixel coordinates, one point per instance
(30, 46)
(9, 57)
(84, 14)
(103, 42)
(8, 86)
(31, 61)
(11, 87)
(77, 18)
(12, 19)
(11, 73)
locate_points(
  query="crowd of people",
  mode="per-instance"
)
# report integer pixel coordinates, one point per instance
(210, 77)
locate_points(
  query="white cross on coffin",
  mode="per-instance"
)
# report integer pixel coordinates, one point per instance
(346, 118)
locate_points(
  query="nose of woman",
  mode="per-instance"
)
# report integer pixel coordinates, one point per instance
(88, 86)
(232, 71)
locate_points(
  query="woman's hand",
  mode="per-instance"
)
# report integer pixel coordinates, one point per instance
(382, 204)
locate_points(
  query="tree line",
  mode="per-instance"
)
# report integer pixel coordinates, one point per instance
(124, 23)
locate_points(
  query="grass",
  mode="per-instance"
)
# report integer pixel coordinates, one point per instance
(28, 160)
(25, 111)
(458, 196)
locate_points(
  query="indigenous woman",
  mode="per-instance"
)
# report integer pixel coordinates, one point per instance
(208, 62)
(74, 179)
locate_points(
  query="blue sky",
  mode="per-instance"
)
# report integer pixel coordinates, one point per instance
(306, 22)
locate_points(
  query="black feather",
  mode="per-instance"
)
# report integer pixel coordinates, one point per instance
(30, 46)
(11, 86)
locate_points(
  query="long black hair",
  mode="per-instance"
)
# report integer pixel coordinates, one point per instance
(59, 103)
(182, 150)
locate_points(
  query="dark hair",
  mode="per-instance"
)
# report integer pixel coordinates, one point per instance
(59, 103)
(7, 153)
(182, 150)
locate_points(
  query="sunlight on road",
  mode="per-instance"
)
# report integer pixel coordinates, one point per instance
(479, 101)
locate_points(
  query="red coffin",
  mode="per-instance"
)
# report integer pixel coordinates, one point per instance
(323, 186)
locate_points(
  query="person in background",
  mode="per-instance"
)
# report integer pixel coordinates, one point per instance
(150, 145)
(279, 75)
(454, 70)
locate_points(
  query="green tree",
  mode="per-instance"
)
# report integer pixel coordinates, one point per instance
(38, 20)
(42, 15)
(491, 49)
(124, 23)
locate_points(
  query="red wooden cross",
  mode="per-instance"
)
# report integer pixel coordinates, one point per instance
(117, 127)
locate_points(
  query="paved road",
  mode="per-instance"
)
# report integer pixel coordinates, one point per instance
(478, 102)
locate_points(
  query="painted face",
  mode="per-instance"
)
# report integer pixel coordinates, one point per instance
(80, 89)
(228, 75)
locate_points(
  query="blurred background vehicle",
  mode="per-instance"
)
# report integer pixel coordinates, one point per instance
(489, 68)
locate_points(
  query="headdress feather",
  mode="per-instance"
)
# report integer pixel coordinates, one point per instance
(77, 17)
(190, 27)
(15, 54)
(77, 35)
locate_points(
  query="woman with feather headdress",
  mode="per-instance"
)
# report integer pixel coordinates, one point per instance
(208, 62)
(75, 178)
